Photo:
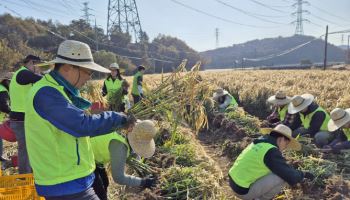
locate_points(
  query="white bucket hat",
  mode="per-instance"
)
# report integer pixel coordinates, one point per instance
(77, 53)
(299, 103)
(219, 93)
(141, 138)
(287, 132)
(339, 117)
(280, 98)
(114, 66)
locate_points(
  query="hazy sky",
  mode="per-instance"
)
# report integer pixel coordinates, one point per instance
(237, 20)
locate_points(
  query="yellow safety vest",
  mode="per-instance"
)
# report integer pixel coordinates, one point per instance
(18, 93)
(55, 156)
(250, 166)
(282, 112)
(306, 120)
(100, 146)
(2, 115)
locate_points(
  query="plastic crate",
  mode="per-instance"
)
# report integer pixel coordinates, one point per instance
(20, 193)
(18, 187)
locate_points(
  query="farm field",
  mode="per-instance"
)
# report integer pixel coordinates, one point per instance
(226, 138)
(194, 155)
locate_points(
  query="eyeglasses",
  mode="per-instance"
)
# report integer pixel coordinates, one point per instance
(88, 72)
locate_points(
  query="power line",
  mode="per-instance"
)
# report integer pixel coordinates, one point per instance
(10, 9)
(35, 23)
(262, 15)
(217, 17)
(329, 13)
(267, 6)
(63, 38)
(326, 20)
(35, 8)
(52, 9)
(247, 13)
(287, 51)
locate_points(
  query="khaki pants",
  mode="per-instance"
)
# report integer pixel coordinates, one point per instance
(264, 188)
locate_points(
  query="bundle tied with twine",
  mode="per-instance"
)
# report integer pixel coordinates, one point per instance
(182, 93)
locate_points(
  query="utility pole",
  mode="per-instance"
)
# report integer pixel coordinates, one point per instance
(299, 29)
(325, 49)
(242, 62)
(217, 37)
(348, 60)
(96, 36)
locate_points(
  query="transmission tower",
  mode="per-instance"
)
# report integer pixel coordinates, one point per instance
(217, 37)
(86, 10)
(299, 30)
(123, 16)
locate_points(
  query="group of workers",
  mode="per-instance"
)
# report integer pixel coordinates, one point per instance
(58, 141)
(66, 148)
(260, 171)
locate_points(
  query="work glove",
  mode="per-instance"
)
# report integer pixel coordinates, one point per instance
(309, 175)
(148, 182)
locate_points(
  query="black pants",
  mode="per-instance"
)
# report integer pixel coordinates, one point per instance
(136, 98)
(88, 194)
(101, 182)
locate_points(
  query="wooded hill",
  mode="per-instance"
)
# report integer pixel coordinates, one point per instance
(19, 37)
(313, 52)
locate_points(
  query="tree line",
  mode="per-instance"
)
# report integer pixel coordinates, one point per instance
(19, 37)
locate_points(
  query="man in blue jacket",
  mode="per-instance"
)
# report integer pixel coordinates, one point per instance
(58, 130)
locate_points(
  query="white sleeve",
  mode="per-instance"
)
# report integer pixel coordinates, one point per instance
(139, 88)
(226, 102)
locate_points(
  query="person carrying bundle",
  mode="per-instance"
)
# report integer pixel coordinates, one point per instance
(280, 113)
(116, 88)
(313, 119)
(261, 171)
(136, 90)
(225, 101)
(116, 149)
(58, 129)
(339, 125)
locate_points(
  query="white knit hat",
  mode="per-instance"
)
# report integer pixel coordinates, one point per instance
(77, 53)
